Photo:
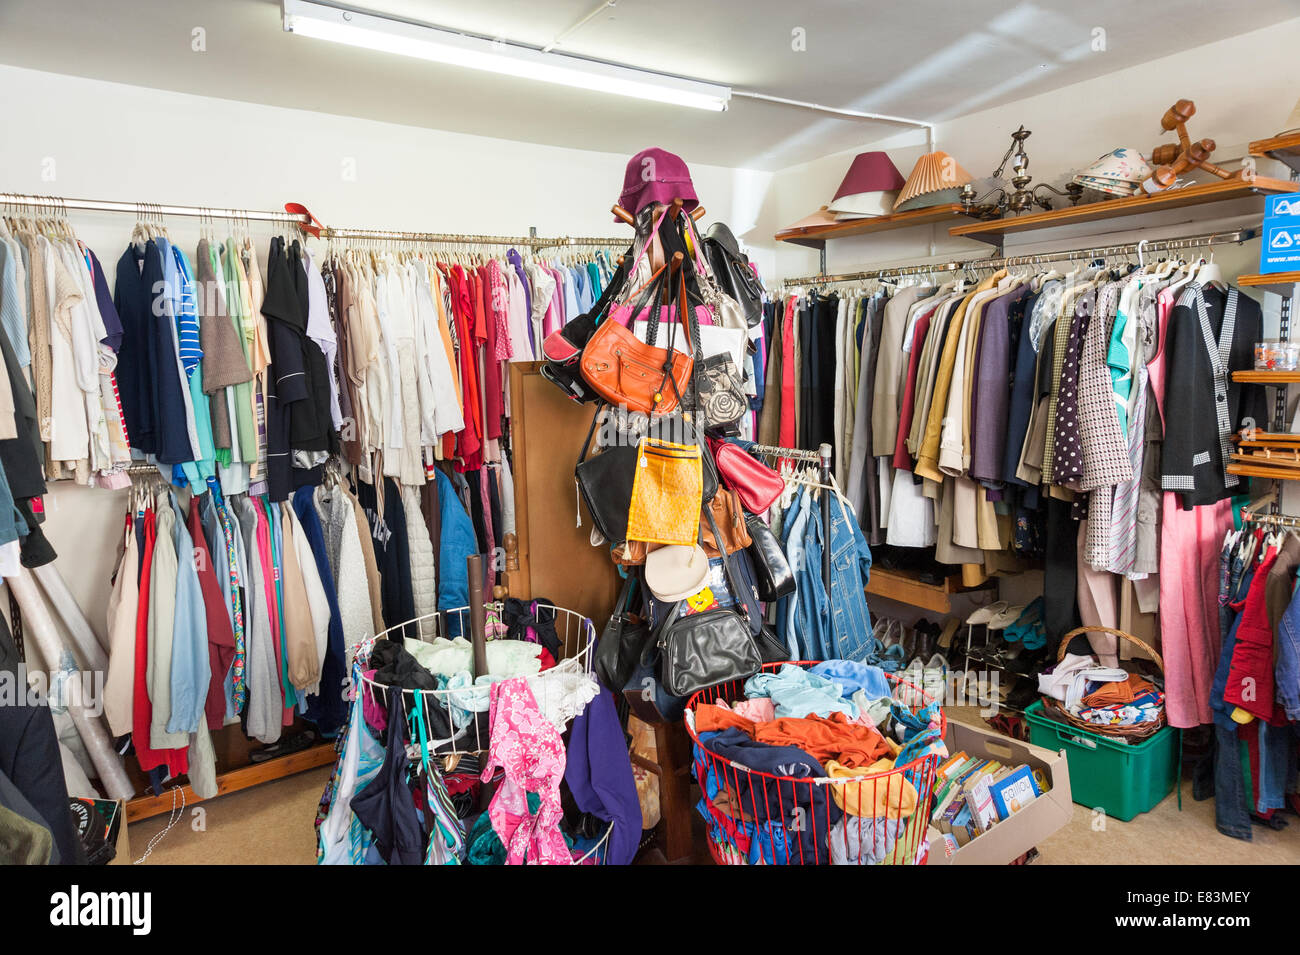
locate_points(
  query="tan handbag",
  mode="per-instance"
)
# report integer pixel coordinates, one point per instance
(628, 372)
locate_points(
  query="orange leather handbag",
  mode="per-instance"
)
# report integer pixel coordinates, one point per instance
(626, 371)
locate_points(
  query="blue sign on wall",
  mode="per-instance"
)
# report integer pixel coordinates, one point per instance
(1280, 249)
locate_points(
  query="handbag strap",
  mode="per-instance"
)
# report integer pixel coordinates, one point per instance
(648, 294)
(624, 599)
(737, 594)
(701, 266)
(654, 232)
(586, 445)
(610, 291)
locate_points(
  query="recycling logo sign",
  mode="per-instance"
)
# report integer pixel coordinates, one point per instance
(1280, 250)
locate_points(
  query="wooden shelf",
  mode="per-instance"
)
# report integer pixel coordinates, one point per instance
(322, 754)
(909, 589)
(815, 236)
(1279, 283)
(1265, 377)
(1221, 190)
(1274, 474)
(1282, 148)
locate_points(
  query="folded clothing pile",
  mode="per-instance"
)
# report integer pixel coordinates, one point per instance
(1121, 702)
(1102, 696)
(834, 721)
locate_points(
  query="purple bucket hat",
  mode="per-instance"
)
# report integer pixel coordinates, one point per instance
(656, 175)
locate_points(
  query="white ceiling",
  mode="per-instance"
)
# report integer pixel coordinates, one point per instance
(923, 59)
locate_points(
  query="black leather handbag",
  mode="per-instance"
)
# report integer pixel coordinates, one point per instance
(772, 573)
(621, 642)
(702, 650)
(731, 271)
(605, 485)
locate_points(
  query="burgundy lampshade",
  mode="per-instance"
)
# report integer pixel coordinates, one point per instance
(869, 172)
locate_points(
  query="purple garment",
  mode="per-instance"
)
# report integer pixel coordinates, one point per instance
(516, 260)
(991, 397)
(107, 311)
(599, 774)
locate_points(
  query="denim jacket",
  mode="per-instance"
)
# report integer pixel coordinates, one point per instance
(1286, 665)
(850, 637)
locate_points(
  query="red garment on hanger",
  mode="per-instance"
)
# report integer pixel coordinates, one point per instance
(492, 370)
(1250, 677)
(469, 441)
(788, 432)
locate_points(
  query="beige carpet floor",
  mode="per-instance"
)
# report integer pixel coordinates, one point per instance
(272, 824)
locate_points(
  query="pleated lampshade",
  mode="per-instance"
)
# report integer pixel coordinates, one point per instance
(935, 177)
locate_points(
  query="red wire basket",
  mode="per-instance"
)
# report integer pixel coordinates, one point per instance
(758, 818)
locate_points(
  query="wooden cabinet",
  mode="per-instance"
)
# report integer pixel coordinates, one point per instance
(555, 557)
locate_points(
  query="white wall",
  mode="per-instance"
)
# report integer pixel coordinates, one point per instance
(110, 141)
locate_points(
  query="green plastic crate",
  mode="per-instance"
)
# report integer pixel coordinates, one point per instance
(1123, 779)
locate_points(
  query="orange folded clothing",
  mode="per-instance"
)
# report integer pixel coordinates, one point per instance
(1119, 692)
(709, 717)
(834, 737)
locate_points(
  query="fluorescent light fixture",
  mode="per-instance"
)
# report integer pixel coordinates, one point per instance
(455, 49)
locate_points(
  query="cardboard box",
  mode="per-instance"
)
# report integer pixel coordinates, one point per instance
(1012, 837)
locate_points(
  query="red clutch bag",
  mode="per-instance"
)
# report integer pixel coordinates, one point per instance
(756, 484)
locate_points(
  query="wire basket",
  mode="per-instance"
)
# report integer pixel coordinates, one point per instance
(464, 709)
(458, 708)
(758, 818)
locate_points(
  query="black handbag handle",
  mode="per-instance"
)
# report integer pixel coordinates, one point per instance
(586, 445)
(727, 572)
(652, 290)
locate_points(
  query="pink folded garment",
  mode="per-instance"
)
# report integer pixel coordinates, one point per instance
(761, 710)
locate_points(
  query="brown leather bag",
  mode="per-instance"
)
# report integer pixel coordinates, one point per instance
(624, 370)
(727, 514)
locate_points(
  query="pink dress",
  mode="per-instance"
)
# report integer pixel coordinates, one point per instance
(1190, 541)
(529, 748)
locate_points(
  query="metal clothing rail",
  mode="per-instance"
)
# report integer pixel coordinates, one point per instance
(531, 241)
(1144, 246)
(1285, 520)
(58, 205)
(61, 206)
(822, 456)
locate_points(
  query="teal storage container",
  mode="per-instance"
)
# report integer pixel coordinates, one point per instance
(1123, 779)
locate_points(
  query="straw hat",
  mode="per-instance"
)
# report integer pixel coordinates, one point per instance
(935, 178)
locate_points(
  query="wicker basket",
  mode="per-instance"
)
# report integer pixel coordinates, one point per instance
(1134, 733)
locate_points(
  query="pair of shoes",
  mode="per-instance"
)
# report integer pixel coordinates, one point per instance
(1004, 619)
(982, 615)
